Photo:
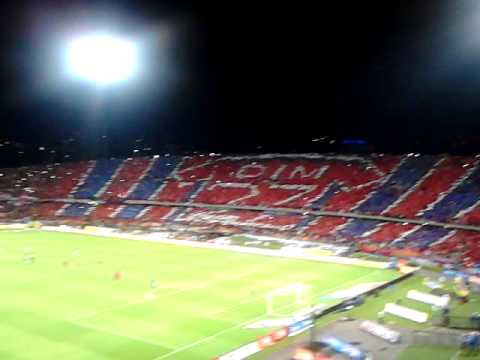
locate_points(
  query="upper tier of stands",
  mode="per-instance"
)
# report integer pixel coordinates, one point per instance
(440, 188)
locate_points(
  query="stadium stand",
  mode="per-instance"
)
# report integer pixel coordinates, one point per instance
(462, 197)
(152, 178)
(75, 210)
(98, 179)
(175, 191)
(156, 213)
(129, 212)
(437, 182)
(389, 232)
(104, 211)
(48, 210)
(410, 171)
(273, 192)
(129, 174)
(324, 226)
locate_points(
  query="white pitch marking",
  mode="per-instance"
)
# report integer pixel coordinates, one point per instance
(225, 331)
(262, 296)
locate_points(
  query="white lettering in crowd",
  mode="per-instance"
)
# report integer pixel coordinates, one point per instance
(244, 186)
(253, 193)
(277, 172)
(302, 191)
(230, 185)
(316, 173)
(179, 174)
(245, 172)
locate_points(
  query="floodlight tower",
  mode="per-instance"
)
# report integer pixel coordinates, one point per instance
(102, 60)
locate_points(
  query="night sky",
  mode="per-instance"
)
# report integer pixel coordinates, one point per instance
(249, 76)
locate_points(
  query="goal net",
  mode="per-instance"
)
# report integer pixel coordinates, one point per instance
(288, 301)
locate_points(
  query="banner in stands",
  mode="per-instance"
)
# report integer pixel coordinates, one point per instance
(300, 326)
(380, 331)
(268, 340)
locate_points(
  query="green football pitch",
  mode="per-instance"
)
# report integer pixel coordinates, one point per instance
(67, 304)
(437, 353)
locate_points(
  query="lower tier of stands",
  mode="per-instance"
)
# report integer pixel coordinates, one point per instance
(374, 235)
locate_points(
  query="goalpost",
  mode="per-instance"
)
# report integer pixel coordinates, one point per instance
(289, 300)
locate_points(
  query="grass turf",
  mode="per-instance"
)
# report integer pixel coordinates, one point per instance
(369, 311)
(436, 353)
(67, 305)
(428, 353)
(374, 305)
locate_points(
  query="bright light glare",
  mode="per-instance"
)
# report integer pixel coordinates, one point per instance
(102, 59)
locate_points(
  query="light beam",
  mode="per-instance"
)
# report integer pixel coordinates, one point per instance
(102, 59)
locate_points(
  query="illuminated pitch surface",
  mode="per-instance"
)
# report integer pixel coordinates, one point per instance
(67, 304)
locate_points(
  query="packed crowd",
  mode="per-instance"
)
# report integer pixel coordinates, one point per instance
(268, 193)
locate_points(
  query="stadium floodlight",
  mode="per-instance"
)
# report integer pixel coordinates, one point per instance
(102, 59)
